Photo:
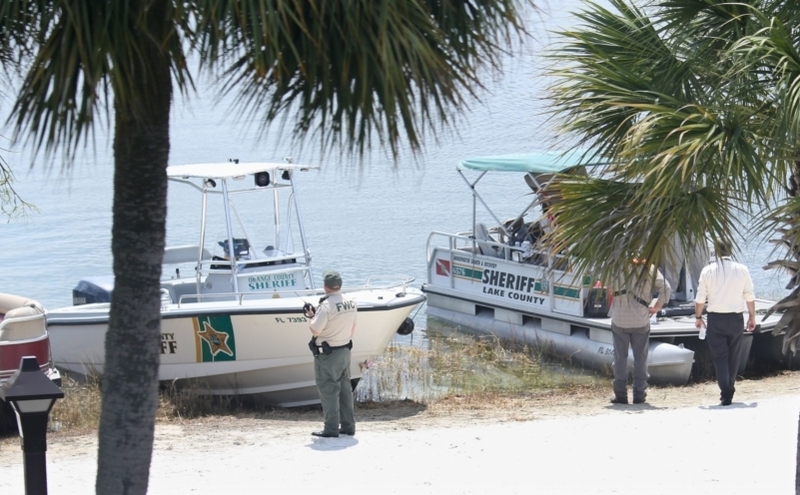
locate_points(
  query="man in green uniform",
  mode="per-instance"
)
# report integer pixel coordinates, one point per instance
(333, 324)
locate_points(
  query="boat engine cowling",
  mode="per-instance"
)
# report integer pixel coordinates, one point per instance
(93, 290)
(406, 327)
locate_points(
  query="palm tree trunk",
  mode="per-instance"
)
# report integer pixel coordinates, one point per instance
(797, 470)
(794, 191)
(130, 378)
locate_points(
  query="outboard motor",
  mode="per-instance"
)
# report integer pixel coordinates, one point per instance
(93, 290)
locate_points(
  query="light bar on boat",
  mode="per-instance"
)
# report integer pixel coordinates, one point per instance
(229, 170)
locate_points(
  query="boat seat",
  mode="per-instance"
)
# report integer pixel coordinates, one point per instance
(11, 330)
(484, 241)
(11, 301)
(241, 248)
(175, 255)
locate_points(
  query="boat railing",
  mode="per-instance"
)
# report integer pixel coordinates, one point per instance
(240, 297)
(403, 284)
(466, 242)
(222, 264)
(215, 296)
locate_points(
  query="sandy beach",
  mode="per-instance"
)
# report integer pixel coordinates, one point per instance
(681, 441)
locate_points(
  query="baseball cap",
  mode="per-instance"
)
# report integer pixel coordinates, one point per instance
(332, 279)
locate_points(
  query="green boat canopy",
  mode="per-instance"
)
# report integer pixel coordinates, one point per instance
(537, 163)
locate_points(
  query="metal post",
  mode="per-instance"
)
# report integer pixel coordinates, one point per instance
(33, 440)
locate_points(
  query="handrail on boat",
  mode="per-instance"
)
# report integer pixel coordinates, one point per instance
(241, 296)
(553, 261)
(403, 283)
(297, 260)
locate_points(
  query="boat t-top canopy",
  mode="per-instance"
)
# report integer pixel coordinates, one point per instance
(538, 168)
(270, 178)
(229, 170)
(536, 163)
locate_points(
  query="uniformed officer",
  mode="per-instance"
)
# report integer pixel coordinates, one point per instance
(333, 324)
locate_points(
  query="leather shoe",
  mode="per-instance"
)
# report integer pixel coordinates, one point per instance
(349, 433)
(324, 434)
(725, 402)
(639, 400)
(619, 400)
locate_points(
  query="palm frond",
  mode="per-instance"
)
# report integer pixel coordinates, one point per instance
(84, 51)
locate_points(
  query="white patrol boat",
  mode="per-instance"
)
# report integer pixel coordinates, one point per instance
(495, 281)
(232, 318)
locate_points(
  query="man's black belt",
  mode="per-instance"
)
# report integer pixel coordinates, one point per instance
(316, 350)
(349, 345)
(327, 349)
(635, 297)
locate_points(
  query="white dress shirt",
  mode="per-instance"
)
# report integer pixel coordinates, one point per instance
(725, 285)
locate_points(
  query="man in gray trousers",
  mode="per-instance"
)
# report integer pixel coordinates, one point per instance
(333, 324)
(630, 326)
(727, 288)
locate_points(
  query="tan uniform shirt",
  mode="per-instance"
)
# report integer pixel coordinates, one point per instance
(627, 312)
(335, 320)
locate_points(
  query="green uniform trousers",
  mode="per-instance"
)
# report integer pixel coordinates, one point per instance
(332, 372)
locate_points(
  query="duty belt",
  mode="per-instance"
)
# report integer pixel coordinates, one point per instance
(635, 297)
(327, 349)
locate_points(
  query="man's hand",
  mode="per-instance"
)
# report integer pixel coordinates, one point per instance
(751, 323)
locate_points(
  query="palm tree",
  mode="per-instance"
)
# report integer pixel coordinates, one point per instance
(349, 72)
(692, 108)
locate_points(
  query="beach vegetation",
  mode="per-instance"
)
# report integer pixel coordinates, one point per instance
(447, 368)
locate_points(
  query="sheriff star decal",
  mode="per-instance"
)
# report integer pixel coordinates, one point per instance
(218, 341)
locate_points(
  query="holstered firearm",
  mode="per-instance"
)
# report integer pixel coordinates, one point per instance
(312, 344)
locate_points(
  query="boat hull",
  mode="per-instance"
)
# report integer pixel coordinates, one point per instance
(256, 348)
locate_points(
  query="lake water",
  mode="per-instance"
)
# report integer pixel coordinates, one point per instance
(367, 220)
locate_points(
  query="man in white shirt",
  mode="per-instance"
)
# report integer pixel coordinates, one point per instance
(726, 286)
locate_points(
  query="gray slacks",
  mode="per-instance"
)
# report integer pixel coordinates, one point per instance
(724, 336)
(332, 372)
(637, 339)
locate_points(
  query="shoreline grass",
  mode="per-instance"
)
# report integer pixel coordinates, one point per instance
(451, 369)
(456, 365)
